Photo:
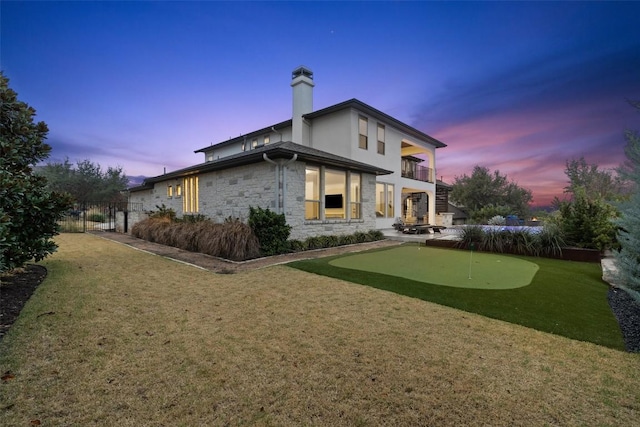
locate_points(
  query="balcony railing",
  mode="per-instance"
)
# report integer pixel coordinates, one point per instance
(419, 173)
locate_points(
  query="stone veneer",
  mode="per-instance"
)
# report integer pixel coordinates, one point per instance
(230, 193)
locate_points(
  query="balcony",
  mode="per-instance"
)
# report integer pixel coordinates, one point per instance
(419, 173)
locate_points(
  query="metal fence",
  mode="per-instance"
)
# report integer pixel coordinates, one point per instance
(96, 216)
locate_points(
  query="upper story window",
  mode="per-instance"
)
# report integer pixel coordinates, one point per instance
(254, 143)
(210, 157)
(244, 145)
(267, 139)
(380, 139)
(363, 130)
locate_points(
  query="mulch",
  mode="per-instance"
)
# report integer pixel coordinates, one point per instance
(15, 291)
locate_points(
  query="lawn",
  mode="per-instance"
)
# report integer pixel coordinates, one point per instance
(562, 297)
(116, 336)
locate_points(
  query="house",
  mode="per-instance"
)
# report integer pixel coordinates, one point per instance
(341, 169)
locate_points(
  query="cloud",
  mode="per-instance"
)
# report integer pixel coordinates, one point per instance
(529, 121)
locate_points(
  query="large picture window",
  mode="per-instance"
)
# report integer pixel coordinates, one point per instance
(363, 130)
(385, 200)
(332, 194)
(190, 200)
(312, 193)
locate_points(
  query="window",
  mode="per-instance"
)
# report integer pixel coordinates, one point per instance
(335, 194)
(169, 191)
(363, 125)
(267, 139)
(380, 139)
(254, 142)
(190, 201)
(244, 145)
(354, 195)
(210, 157)
(384, 200)
(178, 190)
(312, 193)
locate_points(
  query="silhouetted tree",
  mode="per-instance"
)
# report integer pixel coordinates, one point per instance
(485, 194)
(87, 181)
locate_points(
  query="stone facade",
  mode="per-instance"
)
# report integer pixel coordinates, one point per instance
(230, 192)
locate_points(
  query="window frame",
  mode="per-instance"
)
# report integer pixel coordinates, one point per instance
(381, 141)
(190, 202)
(363, 138)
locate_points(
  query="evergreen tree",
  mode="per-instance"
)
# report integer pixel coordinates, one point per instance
(485, 194)
(28, 211)
(628, 258)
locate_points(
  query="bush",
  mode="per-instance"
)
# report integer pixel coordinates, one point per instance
(231, 240)
(163, 212)
(271, 229)
(497, 220)
(96, 217)
(547, 242)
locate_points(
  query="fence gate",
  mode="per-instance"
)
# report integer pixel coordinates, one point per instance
(98, 216)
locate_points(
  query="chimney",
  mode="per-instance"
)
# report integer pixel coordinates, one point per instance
(302, 84)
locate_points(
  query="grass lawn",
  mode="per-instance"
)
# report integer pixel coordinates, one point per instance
(562, 297)
(116, 336)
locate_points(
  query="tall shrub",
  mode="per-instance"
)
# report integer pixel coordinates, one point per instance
(28, 210)
(628, 259)
(271, 229)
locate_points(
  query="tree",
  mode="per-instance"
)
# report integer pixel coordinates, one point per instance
(628, 258)
(485, 193)
(586, 222)
(597, 183)
(87, 181)
(28, 210)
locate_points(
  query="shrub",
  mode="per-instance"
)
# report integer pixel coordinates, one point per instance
(96, 217)
(163, 212)
(231, 240)
(497, 220)
(471, 235)
(271, 229)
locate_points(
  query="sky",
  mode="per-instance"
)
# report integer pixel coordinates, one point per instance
(516, 87)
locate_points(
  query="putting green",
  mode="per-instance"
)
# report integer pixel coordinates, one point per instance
(445, 267)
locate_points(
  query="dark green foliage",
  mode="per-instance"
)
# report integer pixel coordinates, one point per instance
(491, 191)
(565, 298)
(587, 222)
(86, 181)
(193, 218)
(546, 241)
(628, 259)
(271, 229)
(28, 210)
(596, 183)
(96, 217)
(163, 212)
(232, 240)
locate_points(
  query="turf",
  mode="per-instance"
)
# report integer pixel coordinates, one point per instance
(564, 298)
(460, 269)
